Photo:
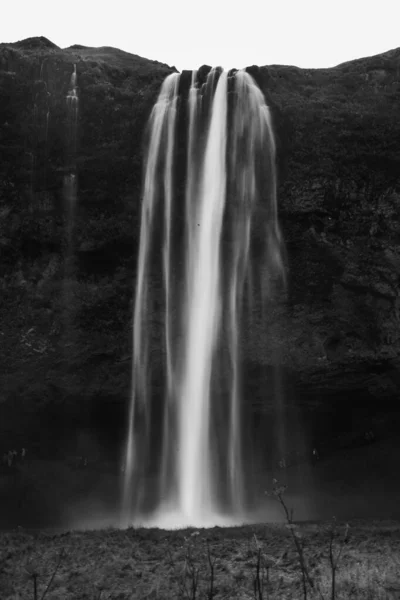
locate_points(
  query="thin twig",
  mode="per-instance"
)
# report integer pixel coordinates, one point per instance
(212, 572)
(334, 561)
(258, 584)
(54, 574)
(306, 578)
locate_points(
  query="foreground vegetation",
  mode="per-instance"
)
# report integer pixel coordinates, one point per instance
(257, 561)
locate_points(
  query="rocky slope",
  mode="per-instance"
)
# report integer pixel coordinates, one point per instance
(66, 332)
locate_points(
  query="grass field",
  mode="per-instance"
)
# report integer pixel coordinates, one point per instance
(208, 563)
(252, 561)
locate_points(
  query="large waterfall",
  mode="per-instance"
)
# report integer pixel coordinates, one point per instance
(210, 167)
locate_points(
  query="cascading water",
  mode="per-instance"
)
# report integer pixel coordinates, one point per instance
(70, 178)
(72, 108)
(185, 453)
(70, 187)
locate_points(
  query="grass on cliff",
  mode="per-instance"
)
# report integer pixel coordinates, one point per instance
(246, 562)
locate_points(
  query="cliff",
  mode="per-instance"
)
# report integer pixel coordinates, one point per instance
(66, 332)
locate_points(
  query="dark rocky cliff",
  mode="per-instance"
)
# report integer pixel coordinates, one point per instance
(66, 334)
(339, 154)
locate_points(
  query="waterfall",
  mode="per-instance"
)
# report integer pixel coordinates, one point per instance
(70, 194)
(70, 177)
(185, 451)
(159, 119)
(72, 115)
(202, 320)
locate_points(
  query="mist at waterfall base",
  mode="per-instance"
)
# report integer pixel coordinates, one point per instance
(204, 271)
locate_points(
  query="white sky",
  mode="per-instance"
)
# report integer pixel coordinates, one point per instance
(186, 34)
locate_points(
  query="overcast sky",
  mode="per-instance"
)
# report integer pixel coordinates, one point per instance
(186, 34)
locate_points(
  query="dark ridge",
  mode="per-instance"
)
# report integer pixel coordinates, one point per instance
(35, 43)
(111, 49)
(114, 56)
(77, 47)
(375, 58)
(373, 61)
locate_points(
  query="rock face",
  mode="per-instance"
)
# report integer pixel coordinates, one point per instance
(66, 333)
(340, 205)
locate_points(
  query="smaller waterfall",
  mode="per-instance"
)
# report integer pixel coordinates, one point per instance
(70, 193)
(70, 178)
(72, 110)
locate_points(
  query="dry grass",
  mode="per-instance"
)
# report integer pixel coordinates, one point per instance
(251, 562)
